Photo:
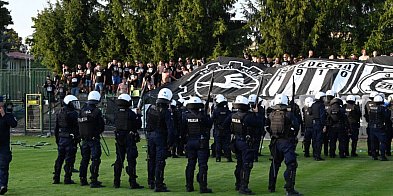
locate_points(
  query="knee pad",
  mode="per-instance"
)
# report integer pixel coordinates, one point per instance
(293, 165)
(203, 167)
(248, 165)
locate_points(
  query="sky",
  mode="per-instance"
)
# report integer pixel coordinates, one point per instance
(23, 10)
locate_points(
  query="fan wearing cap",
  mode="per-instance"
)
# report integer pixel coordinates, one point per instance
(7, 120)
(354, 114)
(318, 113)
(307, 125)
(67, 138)
(370, 103)
(161, 135)
(260, 133)
(243, 125)
(197, 124)
(222, 136)
(91, 125)
(127, 124)
(378, 118)
(283, 124)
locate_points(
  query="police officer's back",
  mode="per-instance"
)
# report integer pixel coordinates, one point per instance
(91, 125)
(307, 125)
(222, 135)
(338, 122)
(318, 114)
(197, 124)
(283, 124)
(354, 114)
(67, 136)
(127, 124)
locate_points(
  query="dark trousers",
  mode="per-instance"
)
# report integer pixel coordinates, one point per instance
(353, 137)
(66, 151)
(378, 136)
(197, 151)
(337, 134)
(283, 149)
(245, 153)
(157, 153)
(222, 144)
(317, 137)
(307, 140)
(5, 159)
(90, 149)
(389, 136)
(326, 142)
(125, 145)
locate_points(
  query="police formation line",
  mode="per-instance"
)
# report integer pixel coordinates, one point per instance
(324, 121)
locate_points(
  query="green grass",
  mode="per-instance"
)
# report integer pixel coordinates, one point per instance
(31, 174)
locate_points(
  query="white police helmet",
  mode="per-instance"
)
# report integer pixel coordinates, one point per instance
(173, 103)
(71, 100)
(164, 96)
(308, 101)
(252, 98)
(378, 99)
(382, 95)
(281, 99)
(220, 98)
(241, 102)
(124, 97)
(373, 94)
(194, 103)
(94, 96)
(319, 95)
(330, 93)
(351, 98)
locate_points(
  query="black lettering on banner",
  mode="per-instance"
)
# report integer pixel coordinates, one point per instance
(344, 74)
(299, 71)
(320, 71)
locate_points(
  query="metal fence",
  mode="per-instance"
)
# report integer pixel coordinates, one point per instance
(15, 84)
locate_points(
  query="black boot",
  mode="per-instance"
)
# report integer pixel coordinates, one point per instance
(202, 179)
(237, 178)
(160, 186)
(189, 179)
(83, 181)
(353, 151)
(68, 173)
(94, 168)
(117, 168)
(290, 180)
(56, 173)
(131, 171)
(3, 190)
(245, 178)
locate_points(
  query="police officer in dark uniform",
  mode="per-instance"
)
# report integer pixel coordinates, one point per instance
(283, 124)
(197, 125)
(326, 138)
(243, 125)
(67, 138)
(127, 124)
(176, 115)
(369, 103)
(222, 136)
(7, 120)
(91, 125)
(378, 118)
(307, 126)
(182, 140)
(354, 114)
(389, 128)
(260, 133)
(338, 123)
(318, 114)
(298, 115)
(161, 135)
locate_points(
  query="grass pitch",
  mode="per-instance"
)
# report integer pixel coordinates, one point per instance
(31, 174)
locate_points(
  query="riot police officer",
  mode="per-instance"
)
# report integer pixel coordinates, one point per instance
(318, 114)
(160, 132)
(176, 115)
(354, 114)
(91, 125)
(370, 103)
(307, 126)
(283, 125)
(389, 128)
(243, 125)
(259, 133)
(7, 120)
(126, 134)
(338, 123)
(67, 136)
(326, 138)
(378, 116)
(197, 125)
(222, 136)
(181, 141)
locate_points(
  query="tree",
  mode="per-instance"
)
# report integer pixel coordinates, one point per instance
(15, 42)
(381, 38)
(5, 16)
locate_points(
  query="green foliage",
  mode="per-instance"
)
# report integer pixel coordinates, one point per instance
(31, 173)
(12, 37)
(5, 16)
